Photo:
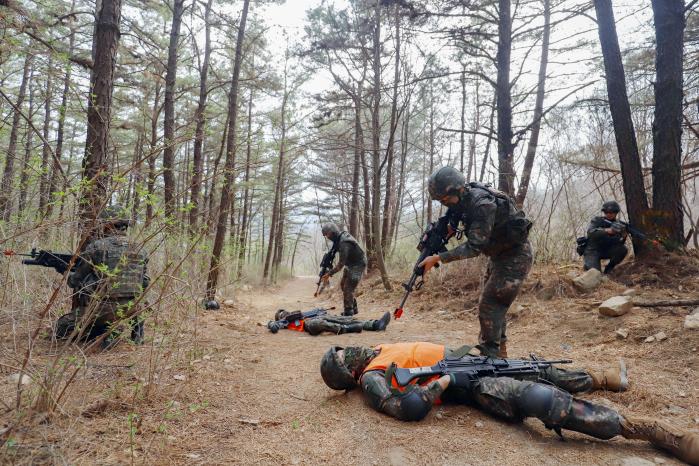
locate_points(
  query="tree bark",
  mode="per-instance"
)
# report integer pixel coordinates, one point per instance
(430, 166)
(376, 152)
(669, 21)
(506, 175)
(358, 148)
(538, 108)
(390, 150)
(29, 140)
(53, 182)
(200, 116)
(472, 143)
(169, 109)
(229, 168)
(246, 194)
(462, 136)
(153, 153)
(632, 175)
(46, 150)
(8, 176)
(96, 165)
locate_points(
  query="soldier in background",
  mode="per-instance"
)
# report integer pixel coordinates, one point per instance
(109, 279)
(352, 261)
(605, 239)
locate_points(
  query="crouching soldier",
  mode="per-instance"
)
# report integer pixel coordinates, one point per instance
(510, 398)
(352, 261)
(605, 239)
(109, 280)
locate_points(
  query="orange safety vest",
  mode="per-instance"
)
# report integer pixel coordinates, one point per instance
(296, 325)
(407, 355)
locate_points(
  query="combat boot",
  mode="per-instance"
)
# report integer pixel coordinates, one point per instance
(354, 327)
(613, 379)
(681, 444)
(348, 312)
(381, 324)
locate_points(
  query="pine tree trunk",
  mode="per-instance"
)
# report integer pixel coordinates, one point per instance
(96, 165)
(472, 142)
(430, 167)
(46, 150)
(169, 109)
(376, 153)
(538, 109)
(200, 116)
(506, 176)
(212, 192)
(669, 21)
(8, 176)
(26, 161)
(229, 168)
(631, 173)
(390, 150)
(246, 194)
(358, 148)
(462, 135)
(153, 153)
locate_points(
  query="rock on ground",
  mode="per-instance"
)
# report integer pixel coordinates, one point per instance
(616, 306)
(692, 320)
(589, 280)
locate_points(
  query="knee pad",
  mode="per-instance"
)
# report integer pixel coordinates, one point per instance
(413, 407)
(546, 403)
(312, 326)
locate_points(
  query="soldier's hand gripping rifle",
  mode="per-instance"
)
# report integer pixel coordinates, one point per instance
(471, 368)
(620, 227)
(433, 241)
(325, 265)
(58, 261)
(284, 318)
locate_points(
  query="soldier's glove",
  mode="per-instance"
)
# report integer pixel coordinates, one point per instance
(460, 380)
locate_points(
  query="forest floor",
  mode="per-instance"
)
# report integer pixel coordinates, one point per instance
(246, 396)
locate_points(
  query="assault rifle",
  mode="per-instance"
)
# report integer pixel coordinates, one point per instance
(284, 318)
(55, 260)
(476, 367)
(433, 241)
(325, 265)
(620, 227)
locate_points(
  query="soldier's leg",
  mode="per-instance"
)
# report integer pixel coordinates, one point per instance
(616, 255)
(333, 324)
(506, 275)
(351, 277)
(592, 259)
(65, 325)
(613, 378)
(377, 325)
(347, 296)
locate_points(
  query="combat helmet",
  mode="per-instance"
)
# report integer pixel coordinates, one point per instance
(334, 372)
(445, 181)
(611, 206)
(330, 228)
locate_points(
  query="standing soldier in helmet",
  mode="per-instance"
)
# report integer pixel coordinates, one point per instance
(352, 259)
(605, 239)
(493, 226)
(109, 279)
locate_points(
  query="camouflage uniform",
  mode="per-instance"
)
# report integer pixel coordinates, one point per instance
(601, 245)
(495, 227)
(109, 279)
(504, 397)
(353, 260)
(339, 325)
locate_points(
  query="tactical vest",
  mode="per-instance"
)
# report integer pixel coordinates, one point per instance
(119, 270)
(407, 355)
(511, 227)
(357, 256)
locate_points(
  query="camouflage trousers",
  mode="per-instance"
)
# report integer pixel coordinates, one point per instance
(594, 255)
(550, 402)
(504, 277)
(92, 320)
(337, 325)
(351, 277)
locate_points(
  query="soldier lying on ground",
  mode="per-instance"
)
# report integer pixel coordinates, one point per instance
(509, 398)
(334, 324)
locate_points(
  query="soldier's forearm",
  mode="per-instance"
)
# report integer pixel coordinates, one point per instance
(411, 405)
(462, 251)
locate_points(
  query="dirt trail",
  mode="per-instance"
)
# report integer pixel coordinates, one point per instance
(268, 405)
(246, 396)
